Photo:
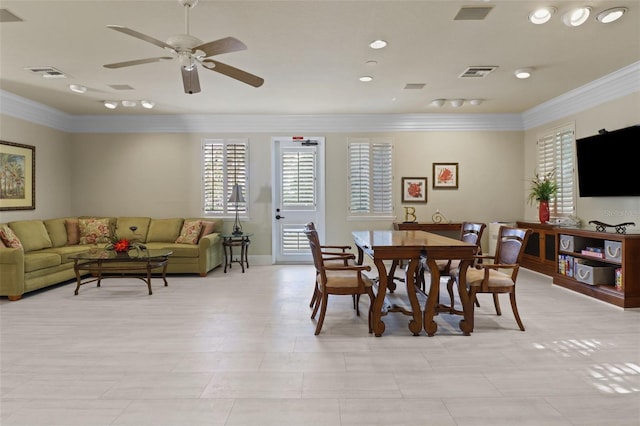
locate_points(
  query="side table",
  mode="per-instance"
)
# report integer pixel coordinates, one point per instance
(229, 241)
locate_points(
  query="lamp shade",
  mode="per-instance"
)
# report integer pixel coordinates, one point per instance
(236, 194)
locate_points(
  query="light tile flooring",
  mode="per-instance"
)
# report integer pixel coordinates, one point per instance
(239, 349)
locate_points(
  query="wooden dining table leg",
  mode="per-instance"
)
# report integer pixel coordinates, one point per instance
(466, 323)
(378, 303)
(430, 326)
(415, 324)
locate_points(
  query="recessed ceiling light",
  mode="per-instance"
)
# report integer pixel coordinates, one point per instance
(129, 104)
(523, 73)
(366, 78)
(437, 102)
(541, 15)
(377, 44)
(111, 104)
(610, 15)
(576, 17)
(78, 88)
(371, 63)
(456, 103)
(147, 104)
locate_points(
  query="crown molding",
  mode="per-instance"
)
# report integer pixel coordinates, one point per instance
(618, 84)
(615, 85)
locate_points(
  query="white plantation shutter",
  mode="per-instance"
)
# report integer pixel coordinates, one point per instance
(298, 179)
(555, 154)
(370, 177)
(224, 163)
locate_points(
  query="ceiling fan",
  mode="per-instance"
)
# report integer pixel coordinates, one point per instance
(191, 51)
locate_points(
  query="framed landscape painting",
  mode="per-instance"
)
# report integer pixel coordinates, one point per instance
(17, 176)
(445, 175)
(414, 189)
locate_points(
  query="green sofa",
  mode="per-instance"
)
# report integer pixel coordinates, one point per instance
(44, 260)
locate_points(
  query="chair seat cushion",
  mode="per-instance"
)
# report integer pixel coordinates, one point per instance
(345, 279)
(496, 278)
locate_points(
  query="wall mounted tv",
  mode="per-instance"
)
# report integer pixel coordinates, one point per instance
(608, 165)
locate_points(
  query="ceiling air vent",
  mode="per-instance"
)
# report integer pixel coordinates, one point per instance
(47, 72)
(414, 86)
(120, 87)
(477, 72)
(472, 13)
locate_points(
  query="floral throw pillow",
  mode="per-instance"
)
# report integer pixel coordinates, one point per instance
(190, 232)
(93, 230)
(9, 238)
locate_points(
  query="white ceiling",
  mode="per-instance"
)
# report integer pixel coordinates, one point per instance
(311, 53)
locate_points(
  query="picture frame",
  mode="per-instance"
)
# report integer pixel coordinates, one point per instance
(414, 189)
(445, 175)
(17, 176)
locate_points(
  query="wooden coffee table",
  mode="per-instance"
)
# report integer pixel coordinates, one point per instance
(109, 264)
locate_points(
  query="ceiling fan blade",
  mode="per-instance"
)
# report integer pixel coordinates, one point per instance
(141, 36)
(190, 80)
(224, 45)
(137, 62)
(229, 71)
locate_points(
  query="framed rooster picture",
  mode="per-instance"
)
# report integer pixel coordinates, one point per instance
(414, 189)
(445, 175)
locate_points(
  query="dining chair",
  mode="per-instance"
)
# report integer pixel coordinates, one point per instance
(470, 232)
(334, 254)
(500, 276)
(337, 279)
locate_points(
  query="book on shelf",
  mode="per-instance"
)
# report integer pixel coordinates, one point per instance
(591, 253)
(618, 275)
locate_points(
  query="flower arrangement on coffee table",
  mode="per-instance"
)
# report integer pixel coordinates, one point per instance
(123, 245)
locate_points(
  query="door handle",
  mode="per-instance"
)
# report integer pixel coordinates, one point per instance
(279, 217)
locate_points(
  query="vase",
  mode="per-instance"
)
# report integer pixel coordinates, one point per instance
(543, 212)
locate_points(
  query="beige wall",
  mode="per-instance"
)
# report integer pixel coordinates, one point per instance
(158, 175)
(612, 115)
(53, 168)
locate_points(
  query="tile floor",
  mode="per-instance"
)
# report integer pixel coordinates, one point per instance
(238, 349)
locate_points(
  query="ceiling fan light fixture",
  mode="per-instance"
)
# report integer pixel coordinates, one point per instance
(437, 102)
(476, 102)
(523, 73)
(78, 88)
(541, 15)
(111, 104)
(378, 44)
(366, 78)
(611, 15)
(576, 17)
(457, 103)
(128, 104)
(147, 104)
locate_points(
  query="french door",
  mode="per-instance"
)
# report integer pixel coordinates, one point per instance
(297, 194)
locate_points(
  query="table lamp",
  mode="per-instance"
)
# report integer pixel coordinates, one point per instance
(236, 197)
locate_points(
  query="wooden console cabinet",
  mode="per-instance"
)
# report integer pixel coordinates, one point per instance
(540, 253)
(624, 256)
(447, 229)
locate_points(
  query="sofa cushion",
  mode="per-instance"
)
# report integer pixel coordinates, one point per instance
(32, 234)
(57, 231)
(164, 230)
(124, 224)
(208, 227)
(93, 230)
(178, 250)
(40, 260)
(9, 238)
(190, 232)
(73, 231)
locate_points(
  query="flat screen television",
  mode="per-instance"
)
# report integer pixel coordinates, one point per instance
(608, 163)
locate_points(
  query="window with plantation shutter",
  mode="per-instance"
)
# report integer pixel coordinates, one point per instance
(555, 155)
(224, 163)
(371, 177)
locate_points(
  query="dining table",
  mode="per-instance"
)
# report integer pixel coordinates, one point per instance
(412, 246)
